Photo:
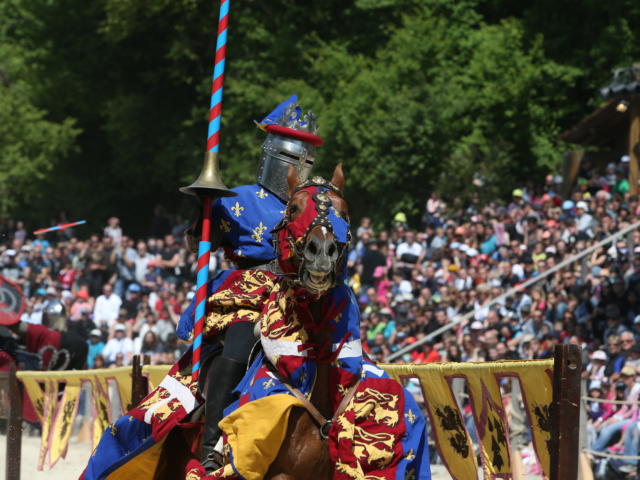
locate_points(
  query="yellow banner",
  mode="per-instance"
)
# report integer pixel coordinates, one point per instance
(483, 384)
(49, 404)
(102, 410)
(57, 404)
(63, 421)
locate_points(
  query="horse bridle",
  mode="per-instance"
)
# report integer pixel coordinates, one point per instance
(323, 205)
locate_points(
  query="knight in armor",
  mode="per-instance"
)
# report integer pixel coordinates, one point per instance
(242, 225)
(58, 348)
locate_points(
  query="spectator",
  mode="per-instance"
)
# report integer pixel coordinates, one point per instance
(120, 344)
(625, 416)
(96, 347)
(410, 251)
(143, 262)
(595, 370)
(106, 308)
(113, 230)
(168, 258)
(616, 358)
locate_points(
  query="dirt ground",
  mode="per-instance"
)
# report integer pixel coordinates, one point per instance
(66, 469)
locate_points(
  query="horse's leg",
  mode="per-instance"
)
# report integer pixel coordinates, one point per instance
(303, 453)
(176, 453)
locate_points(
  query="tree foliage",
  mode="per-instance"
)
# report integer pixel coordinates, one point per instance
(103, 104)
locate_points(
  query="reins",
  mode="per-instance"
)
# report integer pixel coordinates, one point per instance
(323, 423)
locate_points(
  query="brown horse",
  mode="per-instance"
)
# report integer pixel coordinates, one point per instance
(304, 453)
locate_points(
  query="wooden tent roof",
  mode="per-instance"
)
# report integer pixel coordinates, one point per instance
(601, 128)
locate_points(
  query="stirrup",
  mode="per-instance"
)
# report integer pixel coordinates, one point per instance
(213, 461)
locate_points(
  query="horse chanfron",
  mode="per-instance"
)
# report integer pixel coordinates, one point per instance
(314, 235)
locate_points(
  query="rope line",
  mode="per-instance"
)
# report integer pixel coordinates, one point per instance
(611, 455)
(615, 402)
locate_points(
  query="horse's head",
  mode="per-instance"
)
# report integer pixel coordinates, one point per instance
(312, 239)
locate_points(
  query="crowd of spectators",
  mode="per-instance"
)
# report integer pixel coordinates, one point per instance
(411, 282)
(125, 296)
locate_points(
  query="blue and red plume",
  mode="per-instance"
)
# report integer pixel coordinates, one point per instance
(297, 126)
(277, 113)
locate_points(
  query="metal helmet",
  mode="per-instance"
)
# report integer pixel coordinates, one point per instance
(54, 315)
(292, 140)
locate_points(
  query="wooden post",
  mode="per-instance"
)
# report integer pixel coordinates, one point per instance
(634, 138)
(570, 171)
(565, 413)
(14, 426)
(139, 384)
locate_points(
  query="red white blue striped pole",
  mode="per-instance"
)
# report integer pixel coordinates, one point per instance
(213, 145)
(215, 111)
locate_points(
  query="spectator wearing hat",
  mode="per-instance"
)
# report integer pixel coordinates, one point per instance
(595, 409)
(584, 221)
(613, 319)
(9, 268)
(132, 300)
(119, 344)
(596, 368)
(82, 303)
(96, 346)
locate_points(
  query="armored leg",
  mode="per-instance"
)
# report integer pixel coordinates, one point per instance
(224, 374)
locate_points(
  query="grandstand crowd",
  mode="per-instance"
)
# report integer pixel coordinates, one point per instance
(126, 295)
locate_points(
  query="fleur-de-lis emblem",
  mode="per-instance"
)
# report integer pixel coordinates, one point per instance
(237, 209)
(410, 474)
(258, 232)
(410, 456)
(262, 194)
(410, 416)
(268, 384)
(113, 429)
(225, 225)
(335, 212)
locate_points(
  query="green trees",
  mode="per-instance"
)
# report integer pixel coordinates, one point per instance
(103, 104)
(31, 143)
